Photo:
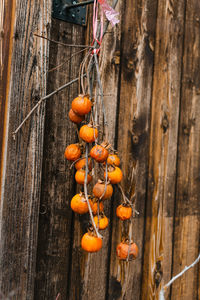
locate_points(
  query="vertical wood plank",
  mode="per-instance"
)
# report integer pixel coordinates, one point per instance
(163, 147)
(6, 32)
(55, 231)
(22, 157)
(187, 212)
(89, 273)
(138, 35)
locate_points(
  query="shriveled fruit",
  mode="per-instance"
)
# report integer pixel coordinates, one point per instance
(75, 118)
(124, 212)
(82, 162)
(103, 221)
(88, 133)
(113, 159)
(99, 153)
(79, 204)
(95, 207)
(99, 188)
(80, 176)
(114, 175)
(81, 105)
(127, 251)
(91, 243)
(72, 152)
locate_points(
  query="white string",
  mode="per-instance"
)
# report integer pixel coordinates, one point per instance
(161, 295)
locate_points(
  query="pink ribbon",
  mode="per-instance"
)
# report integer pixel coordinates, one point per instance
(110, 13)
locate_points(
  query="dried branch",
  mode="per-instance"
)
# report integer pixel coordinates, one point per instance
(69, 59)
(86, 194)
(161, 295)
(101, 94)
(63, 44)
(41, 100)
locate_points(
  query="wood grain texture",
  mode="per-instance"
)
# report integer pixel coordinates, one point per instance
(163, 146)
(6, 32)
(187, 212)
(137, 59)
(89, 275)
(54, 242)
(23, 156)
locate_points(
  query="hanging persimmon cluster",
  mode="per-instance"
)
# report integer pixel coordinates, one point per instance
(93, 157)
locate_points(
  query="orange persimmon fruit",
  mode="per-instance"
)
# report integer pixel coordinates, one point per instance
(80, 176)
(124, 212)
(99, 188)
(113, 159)
(103, 221)
(127, 251)
(99, 153)
(114, 174)
(82, 162)
(75, 118)
(88, 133)
(94, 207)
(79, 204)
(81, 105)
(73, 152)
(91, 243)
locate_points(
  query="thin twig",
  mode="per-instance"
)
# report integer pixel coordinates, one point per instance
(63, 44)
(41, 100)
(161, 295)
(63, 63)
(82, 72)
(86, 194)
(101, 93)
(126, 200)
(74, 162)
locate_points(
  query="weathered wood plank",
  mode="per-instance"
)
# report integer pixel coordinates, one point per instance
(22, 157)
(54, 242)
(89, 277)
(163, 147)
(187, 212)
(6, 32)
(138, 35)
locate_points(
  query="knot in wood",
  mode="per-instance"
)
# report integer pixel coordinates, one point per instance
(165, 124)
(158, 273)
(135, 139)
(116, 58)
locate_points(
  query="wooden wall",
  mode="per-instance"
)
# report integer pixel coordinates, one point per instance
(150, 66)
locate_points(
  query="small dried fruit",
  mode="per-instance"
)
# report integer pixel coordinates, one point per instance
(114, 175)
(79, 204)
(88, 133)
(75, 118)
(91, 243)
(81, 105)
(80, 177)
(95, 207)
(113, 159)
(103, 221)
(99, 153)
(99, 188)
(82, 162)
(126, 250)
(72, 152)
(124, 212)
